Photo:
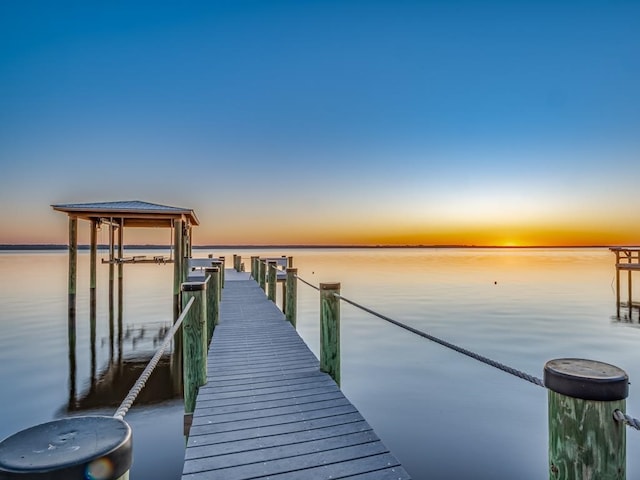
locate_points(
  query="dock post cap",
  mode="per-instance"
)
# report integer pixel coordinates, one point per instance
(330, 286)
(292, 270)
(95, 447)
(194, 286)
(586, 379)
(211, 269)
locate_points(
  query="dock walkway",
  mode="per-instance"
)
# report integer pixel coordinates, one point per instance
(268, 412)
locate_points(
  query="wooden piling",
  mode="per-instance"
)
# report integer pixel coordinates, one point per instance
(291, 294)
(194, 342)
(585, 442)
(262, 274)
(177, 266)
(254, 268)
(617, 283)
(330, 330)
(272, 280)
(221, 258)
(213, 299)
(93, 256)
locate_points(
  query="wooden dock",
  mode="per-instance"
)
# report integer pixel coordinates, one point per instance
(268, 412)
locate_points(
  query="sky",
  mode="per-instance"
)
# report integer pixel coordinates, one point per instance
(326, 122)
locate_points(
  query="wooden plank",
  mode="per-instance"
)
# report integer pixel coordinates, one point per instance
(268, 412)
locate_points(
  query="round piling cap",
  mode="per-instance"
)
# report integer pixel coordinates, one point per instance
(193, 286)
(90, 447)
(586, 379)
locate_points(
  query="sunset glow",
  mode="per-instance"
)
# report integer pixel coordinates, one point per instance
(326, 123)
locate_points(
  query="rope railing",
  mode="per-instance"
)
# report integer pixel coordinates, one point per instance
(500, 366)
(617, 415)
(626, 419)
(307, 283)
(144, 376)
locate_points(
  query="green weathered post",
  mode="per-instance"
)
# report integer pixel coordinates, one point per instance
(194, 342)
(221, 271)
(291, 293)
(213, 299)
(177, 266)
(254, 268)
(73, 263)
(273, 280)
(585, 442)
(262, 274)
(330, 330)
(74, 448)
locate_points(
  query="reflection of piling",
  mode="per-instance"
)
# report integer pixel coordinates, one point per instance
(73, 263)
(71, 333)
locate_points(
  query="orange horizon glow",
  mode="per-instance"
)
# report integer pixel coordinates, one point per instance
(339, 234)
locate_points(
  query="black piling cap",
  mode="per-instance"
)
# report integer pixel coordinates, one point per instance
(76, 448)
(586, 379)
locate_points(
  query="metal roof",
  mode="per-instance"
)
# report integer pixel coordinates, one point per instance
(132, 212)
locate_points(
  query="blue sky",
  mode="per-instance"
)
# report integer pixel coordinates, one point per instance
(337, 121)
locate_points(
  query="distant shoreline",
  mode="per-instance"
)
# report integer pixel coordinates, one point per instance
(51, 246)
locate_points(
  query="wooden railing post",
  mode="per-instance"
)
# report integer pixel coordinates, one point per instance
(221, 272)
(291, 294)
(213, 299)
(194, 342)
(254, 268)
(273, 280)
(79, 448)
(330, 330)
(585, 442)
(235, 262)
(262, 274)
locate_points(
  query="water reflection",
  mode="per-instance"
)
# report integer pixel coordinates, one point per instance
(130, 348)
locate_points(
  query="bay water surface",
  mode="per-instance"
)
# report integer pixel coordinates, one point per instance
(442, 414)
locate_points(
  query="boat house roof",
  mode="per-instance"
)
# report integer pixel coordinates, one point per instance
(133, 213)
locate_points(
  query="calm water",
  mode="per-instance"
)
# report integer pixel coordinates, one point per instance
(443, 415)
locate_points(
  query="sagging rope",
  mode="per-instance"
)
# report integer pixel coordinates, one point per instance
(310, 284)
(144, 376)
(444, 343)
(617, 415)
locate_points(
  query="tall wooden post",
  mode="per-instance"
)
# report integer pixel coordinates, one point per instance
(630, 287)
(254, 268)
(177, 265)
(618, 283)
(213, 299)
(221, 258)
(93, 256)
(330, 330)
(73, 262)
(291, 294)
(194, 342)
(585, 442)
(262, 274)
(272, 280)
(290, 262)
